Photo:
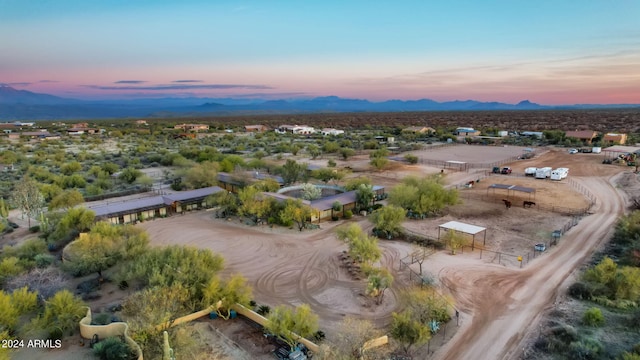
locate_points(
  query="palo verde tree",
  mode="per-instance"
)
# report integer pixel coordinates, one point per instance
(66, 200)
(292, 171)
(378, 282)
(409, 331)
(104, 246)
(225, 200)
(362, 247)
(297, 212)
(290, 325)
(254, 203)
(364, 196)
(424, 196)
(223, 295)
(454, 239)
(388, 220)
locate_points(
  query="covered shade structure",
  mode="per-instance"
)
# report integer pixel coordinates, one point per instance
(465, 228)
(513, 188)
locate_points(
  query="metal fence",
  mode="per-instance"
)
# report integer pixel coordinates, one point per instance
(465, 166)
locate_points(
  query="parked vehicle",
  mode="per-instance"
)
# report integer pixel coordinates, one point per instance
(540, 247)
(530, 171)
(505, 170)
(559, 173)
(496, 170)
(573, 151)
(543, 173)
(596, 150)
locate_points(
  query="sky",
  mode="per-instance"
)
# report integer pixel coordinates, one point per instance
(546, 51)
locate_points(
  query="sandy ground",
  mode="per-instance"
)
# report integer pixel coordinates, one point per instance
(498, 301)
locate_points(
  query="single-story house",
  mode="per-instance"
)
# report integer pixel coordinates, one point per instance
(466, 131)
(615, 138)
(295, 129)
(331, 131)
(536, 134)
(130, 211)
(323, 208)
(585, 135)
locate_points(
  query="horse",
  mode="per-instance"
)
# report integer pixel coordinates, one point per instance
(528, 204)
(507, 203)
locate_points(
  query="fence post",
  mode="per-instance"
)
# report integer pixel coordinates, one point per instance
(480, 253)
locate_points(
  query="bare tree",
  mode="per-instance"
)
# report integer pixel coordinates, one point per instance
(26, 196)
(46, 281)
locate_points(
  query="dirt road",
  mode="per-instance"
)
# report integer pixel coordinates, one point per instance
(500, 305)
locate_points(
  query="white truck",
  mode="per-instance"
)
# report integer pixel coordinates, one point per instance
(559, 173)
(543, 173)
(530, 171)
(596, 150)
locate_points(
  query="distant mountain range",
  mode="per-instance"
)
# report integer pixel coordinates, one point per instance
(27, 105)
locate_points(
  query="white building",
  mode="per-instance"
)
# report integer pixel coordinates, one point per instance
(332, 132)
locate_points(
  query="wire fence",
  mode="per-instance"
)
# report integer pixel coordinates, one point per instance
(466, 166)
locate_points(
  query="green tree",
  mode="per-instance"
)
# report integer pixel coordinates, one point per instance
(408, 331)
(291, 324)
(254, 203)
(454, 240)
(379, 163)
(129, 175)
(112, 348)
(364, 196)
(296, 211)
(346, 153)
(227, 201)
(362, 247)
(426, 305)
(70, 167)
(292, 172)
(26, 196)
(267, 185)
(62, 313)
(378, 282)
(389, 220)
(66, 200)
(223, 295)
(201, 175)
(424, 196)
(354, 183)
(164, 267)
(104, 246)
(314, 151)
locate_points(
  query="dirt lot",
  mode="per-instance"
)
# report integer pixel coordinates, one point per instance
(285, 266)
(498, 301)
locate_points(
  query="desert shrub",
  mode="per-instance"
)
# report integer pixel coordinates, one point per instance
(564, 333)
(593, 317)
(630, 356)
(34, 229)
(580, 291)
(112, 349)
(348, 214)
(44, 260)
(263, 310)
(101, 319)
(411, 159)
(585, 349)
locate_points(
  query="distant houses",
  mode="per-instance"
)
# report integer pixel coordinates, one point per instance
(419, 130)
(467, 131)
(614, 138)
(192, 127)
(586, 136)
(332, 132)
(295, 129)
(256, 128)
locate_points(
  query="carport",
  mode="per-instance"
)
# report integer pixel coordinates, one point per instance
(465, 228)
(513, 188)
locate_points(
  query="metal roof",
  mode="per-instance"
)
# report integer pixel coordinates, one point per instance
(152, 202)
(462, 227)
(512, 187)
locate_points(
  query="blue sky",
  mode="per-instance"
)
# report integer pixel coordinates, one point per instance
(552, 52)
